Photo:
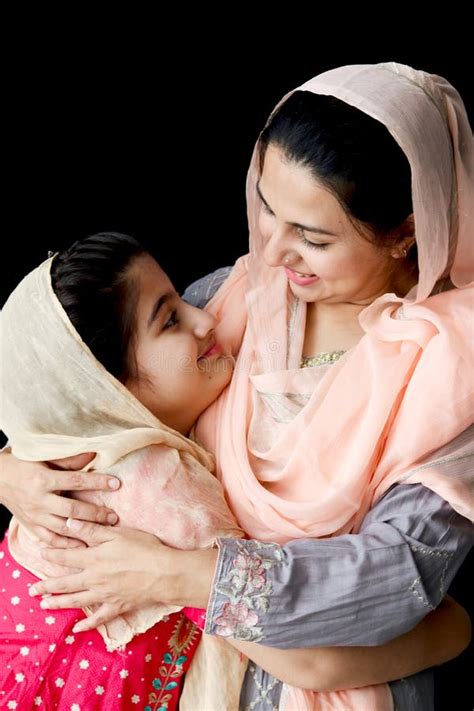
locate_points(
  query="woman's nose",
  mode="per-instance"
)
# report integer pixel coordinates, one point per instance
(275, 249)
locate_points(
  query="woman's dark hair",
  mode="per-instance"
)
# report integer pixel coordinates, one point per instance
(92, 282)
(352, 155)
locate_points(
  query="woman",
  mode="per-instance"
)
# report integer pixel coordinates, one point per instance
(369, 471)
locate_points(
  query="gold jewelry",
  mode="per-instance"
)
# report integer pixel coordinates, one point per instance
(320, 359)
(401, 254)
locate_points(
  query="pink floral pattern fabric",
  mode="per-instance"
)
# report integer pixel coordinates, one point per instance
(242, 592)
(45, 666)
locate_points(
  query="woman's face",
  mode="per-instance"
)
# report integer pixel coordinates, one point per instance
(328, 259)
(181, 368)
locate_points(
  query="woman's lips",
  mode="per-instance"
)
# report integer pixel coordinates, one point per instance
(300, 280)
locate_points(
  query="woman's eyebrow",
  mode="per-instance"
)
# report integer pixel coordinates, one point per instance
(157, 306)
(260, 195)
(306, 228)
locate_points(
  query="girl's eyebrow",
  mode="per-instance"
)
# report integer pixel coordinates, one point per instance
(315, 230)
(157, 306)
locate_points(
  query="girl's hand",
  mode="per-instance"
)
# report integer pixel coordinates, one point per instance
(32, 492)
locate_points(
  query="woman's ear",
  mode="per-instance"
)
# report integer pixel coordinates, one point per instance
(405, 238)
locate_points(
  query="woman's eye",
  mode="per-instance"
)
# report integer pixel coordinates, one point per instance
(311, 245)
(172, 321)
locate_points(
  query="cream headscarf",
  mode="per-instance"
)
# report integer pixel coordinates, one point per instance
(57, 400)
(306, 453)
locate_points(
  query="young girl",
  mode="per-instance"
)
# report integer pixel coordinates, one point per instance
(61, 396)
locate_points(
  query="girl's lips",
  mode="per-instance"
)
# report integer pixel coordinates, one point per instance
(297, 279)
(212, 351)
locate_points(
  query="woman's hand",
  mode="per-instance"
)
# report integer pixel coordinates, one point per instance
(124, 569)
(32, 492)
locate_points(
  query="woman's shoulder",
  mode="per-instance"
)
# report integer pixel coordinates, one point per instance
(201, 291)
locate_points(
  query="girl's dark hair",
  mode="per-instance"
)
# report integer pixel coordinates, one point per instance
(352, 154)
(92, 282)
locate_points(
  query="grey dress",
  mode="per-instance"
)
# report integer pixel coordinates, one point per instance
(357, 589)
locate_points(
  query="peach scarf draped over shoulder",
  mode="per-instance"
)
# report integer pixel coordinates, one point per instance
(307, 452)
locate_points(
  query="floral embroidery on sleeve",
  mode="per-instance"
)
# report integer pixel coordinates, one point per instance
(242, 591)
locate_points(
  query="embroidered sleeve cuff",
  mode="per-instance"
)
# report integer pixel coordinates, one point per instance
(241, 588)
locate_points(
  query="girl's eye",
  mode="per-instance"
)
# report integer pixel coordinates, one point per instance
(311, 245)
(172, 321)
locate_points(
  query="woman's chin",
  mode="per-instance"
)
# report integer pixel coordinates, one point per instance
(307, 294)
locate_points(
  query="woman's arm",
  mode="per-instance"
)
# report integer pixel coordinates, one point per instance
(439, 637)
(31, 491)
(352, 590)
(128, 569)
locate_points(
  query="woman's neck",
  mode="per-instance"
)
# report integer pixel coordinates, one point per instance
(336, 327)
(332, 327)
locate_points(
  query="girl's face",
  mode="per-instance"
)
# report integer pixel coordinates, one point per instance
(328, 260)
(180, 367)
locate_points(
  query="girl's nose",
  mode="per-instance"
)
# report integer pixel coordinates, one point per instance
(202, 322)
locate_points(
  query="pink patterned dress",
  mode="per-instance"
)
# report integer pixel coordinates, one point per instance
(43, 665)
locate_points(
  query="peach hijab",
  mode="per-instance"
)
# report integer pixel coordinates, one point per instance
(307, 452)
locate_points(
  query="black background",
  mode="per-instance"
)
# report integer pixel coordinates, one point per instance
(105, 128)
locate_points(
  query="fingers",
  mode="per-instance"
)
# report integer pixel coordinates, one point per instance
(71, 508)
(63, 584)
(65, 602)
(90, 533)
(55, 533)
(83, 481)
(56, 540)
(65, 542)
(105, 613)
(71, 558)
(78, 461)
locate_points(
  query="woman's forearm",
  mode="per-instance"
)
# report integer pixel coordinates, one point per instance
(441, 636)
(350, 590)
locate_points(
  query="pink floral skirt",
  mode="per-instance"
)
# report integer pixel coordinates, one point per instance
(44, 665)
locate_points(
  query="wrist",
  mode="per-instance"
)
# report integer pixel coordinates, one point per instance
(191, 576)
